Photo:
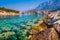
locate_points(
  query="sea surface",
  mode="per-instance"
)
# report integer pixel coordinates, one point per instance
(19, 25)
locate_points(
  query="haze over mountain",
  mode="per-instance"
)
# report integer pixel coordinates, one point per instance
(49, 5)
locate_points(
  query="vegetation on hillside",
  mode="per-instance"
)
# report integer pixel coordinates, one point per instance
(9, 10)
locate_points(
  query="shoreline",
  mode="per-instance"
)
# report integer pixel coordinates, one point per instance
(4, 14)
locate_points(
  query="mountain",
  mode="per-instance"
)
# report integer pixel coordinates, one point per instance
(49, 5)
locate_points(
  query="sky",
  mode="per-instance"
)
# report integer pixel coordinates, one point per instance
(20, 5)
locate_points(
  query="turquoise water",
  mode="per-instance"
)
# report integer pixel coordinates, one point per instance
(18, 24)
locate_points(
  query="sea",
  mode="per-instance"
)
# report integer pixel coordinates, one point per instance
(20, 25)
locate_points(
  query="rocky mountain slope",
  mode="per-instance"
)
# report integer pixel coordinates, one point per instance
(49, 5)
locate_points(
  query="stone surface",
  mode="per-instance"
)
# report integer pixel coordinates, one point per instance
(49, 34)
(57, 27)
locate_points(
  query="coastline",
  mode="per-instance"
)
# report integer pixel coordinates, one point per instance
(10, 14)
(4, 12)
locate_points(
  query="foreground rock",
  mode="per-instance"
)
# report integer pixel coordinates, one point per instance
(54, 15)
(57, 28)
(49, 34)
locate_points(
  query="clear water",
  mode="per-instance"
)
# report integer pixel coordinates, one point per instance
(18, 24)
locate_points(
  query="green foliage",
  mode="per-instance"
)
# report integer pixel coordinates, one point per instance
(9, 10)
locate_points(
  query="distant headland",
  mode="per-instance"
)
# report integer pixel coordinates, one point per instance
(8, 12)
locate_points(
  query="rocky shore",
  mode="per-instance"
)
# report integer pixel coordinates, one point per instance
(52, 33)
(8, 14)
(55, 15)
(50, 30)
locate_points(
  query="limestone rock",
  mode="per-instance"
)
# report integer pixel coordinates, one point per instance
(57, 27)
(49, 34)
